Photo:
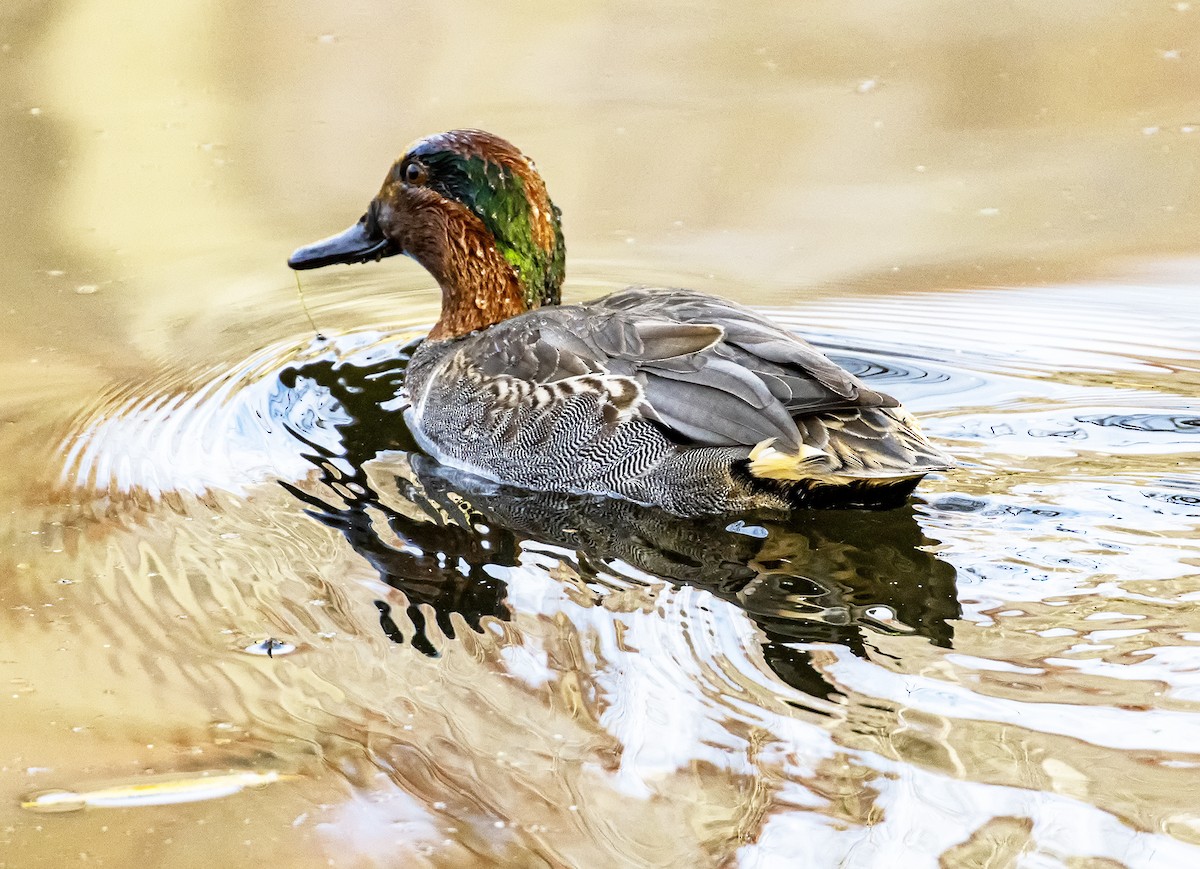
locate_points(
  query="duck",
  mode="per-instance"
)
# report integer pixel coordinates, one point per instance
(665, 397)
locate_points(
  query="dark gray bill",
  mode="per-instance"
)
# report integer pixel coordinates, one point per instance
(355, 245)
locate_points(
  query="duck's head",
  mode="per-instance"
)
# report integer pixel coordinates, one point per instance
(471, 209)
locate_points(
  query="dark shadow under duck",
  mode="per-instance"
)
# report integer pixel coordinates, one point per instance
(433, 532)
(657, 396)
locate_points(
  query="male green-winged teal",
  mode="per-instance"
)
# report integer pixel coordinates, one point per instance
(661, 396)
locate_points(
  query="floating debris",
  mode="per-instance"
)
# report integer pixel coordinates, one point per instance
(270, 647)
(161, 791)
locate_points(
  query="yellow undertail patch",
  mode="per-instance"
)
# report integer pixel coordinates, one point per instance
(812, 465)
(772, 464)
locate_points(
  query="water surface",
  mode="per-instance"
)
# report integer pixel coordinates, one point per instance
(246, 624)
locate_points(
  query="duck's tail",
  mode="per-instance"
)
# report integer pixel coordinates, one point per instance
(870, 458)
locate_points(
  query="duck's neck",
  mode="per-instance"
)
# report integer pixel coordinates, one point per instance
(479, 286)
(485, 282)
(477, 298)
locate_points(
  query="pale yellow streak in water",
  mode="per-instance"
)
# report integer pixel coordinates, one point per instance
(158, 792)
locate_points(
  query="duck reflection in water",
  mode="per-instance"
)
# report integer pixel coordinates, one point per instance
(836, 576)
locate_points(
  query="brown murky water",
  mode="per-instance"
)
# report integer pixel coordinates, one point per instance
(989, 210)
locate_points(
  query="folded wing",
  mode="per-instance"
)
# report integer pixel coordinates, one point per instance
(711, 372)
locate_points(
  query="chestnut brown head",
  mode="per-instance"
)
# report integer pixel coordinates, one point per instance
(471, 209)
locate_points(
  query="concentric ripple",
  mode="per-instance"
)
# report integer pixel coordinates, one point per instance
(258, 548)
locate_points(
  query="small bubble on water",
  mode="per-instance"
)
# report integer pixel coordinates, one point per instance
(1149, 131)
(866, 86)
(988, 212)
(86, 290)
(35, 111)
(327, 38)
(1182, 7)
(1169, 54)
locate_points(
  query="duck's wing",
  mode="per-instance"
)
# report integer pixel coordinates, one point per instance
(709, 371)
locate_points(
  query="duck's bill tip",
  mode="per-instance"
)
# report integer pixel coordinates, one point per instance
(352, 246)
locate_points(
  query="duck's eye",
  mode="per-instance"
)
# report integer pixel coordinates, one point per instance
(414, 173)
